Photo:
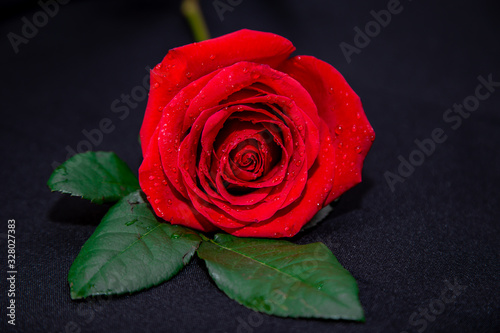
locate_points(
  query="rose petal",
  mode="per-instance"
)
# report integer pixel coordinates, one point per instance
(168, 203)
(190, 62)
(171, 132)
(341, 110)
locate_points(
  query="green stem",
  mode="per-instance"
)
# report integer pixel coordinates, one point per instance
(192, 11)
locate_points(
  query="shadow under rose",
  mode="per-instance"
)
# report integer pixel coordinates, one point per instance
(77, 211)
(352, 199)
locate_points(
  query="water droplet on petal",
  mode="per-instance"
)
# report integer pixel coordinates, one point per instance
(338, 130)
(359, 149)
(151, 177)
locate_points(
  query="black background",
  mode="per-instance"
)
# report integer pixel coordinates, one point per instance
(440, 224)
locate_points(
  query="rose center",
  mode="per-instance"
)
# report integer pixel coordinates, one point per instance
(246, 160)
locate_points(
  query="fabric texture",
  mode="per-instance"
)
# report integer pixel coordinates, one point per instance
(420, 233)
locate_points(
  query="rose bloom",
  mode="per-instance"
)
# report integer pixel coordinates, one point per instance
(240, 137)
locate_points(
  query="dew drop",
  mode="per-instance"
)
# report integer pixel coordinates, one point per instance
(212, 57)
(359, 149)
(189, 75)
(131, 222)
(255, 75)
(157, 201)
(338, 130)
(151, 177)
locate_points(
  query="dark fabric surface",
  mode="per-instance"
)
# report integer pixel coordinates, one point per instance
(440, 224)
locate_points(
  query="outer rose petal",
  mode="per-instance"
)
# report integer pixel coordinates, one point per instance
(190, 62)
(340, 108)
(157, 186)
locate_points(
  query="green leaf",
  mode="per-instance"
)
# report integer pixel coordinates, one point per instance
(97, 176)
(280, 278)
(129, 251)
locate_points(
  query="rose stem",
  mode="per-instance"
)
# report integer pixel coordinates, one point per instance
(192, 11)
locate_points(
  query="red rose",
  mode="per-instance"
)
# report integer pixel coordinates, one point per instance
(238, 136)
